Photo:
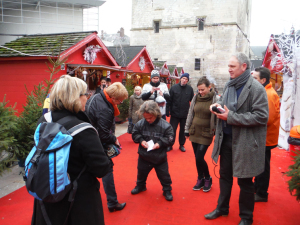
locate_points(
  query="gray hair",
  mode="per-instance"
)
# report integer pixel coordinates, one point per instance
(150, 107)
(242, 58)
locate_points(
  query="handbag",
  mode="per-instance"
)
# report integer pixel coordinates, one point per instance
(112, 150)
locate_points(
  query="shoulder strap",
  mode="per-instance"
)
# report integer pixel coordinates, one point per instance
(80, 127)
(74, 130)
(88, 107)
(48, 117)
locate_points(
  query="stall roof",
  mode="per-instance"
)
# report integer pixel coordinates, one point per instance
(159, 64)
(179, 69)
(171, 69)
(124, 55)
(42, 45)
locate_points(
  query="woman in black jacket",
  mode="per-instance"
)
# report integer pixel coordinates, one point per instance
(67, 98)
(102, 109)
(153, 128)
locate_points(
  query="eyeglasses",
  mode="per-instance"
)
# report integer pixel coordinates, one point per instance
(120, 102)
(86, 94)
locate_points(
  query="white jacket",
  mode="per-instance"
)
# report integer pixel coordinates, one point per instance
(148, 87)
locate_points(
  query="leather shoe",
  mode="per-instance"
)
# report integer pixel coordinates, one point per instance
(257, 198)
(169, 149)
(117, 207)
(245, 222)
(215, 214)
(137, 190)
(168, 195)
(182, 148)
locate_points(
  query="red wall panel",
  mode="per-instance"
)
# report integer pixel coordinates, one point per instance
(16, 74)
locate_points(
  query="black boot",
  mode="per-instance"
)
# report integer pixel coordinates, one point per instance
(137, 190)
(117, 207)
(168, 195)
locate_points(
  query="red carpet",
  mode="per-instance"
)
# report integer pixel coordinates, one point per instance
(188, 206)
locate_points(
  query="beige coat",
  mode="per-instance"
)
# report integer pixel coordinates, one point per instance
(249, 126)
(134, 105)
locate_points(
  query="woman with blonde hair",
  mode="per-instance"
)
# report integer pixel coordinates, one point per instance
(67, 100)
(102, 109)
(135, 101)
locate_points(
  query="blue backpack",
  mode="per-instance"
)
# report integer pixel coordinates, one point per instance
(46, 166)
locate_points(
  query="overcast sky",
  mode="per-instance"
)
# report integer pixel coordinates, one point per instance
(268, 17)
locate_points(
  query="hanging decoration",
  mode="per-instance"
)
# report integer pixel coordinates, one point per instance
(142, 63)
(90, 53)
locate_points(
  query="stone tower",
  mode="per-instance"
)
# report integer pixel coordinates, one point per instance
(200, 34)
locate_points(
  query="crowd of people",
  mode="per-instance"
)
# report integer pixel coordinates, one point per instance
(243, 122)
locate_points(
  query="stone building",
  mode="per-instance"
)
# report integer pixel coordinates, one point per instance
(200, 34)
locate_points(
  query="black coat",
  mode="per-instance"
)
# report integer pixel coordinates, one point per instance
(180, 98)
(86, 149)
(101, 113)
(161, 132)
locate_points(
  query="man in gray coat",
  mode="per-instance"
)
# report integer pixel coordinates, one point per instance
(240, 137)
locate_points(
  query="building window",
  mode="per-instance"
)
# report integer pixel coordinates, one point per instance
(155, 59)
(156, 26)
(201, 23)
(197, 63)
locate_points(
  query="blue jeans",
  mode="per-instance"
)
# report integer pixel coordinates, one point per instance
(109, 188)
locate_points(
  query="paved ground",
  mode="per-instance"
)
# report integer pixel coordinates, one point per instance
(12, 179)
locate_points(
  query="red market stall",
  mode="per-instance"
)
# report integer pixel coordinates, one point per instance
(23, 62)
(136, 63)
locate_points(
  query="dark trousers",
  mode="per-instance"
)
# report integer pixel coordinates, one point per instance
(261, 182)
(202, 168)
(174, 121)
(109, 188)
(162, 172)
(246, 198)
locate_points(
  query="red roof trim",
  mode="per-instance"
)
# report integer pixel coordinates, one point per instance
(139, 54)
(85, 41)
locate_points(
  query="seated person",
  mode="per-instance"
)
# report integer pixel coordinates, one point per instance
(153, 128)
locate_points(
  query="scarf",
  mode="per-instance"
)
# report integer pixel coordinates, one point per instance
(206, 97)
(230, 97)
(155, 84)
(116, 110)
(137, 96)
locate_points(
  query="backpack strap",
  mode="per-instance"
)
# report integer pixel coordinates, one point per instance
(48, 117)
(80, 127)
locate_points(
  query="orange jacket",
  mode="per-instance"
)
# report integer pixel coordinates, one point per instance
(274, 116)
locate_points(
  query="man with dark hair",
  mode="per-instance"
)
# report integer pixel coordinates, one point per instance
(261, 182)
(181, 95)
(155, 88)
(240, 137)
(102, 85)
(108, 82)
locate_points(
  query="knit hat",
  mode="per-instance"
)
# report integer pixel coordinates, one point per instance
(185, 75)
(154, 73)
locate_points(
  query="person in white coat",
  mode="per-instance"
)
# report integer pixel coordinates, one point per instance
(155, 88)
